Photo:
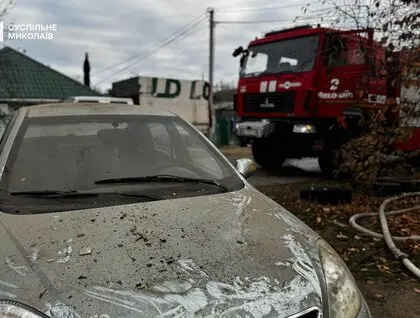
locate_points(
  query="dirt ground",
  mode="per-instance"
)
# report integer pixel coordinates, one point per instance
(390, 290)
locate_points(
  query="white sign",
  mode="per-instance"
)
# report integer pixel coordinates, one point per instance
(287, 85)
(341, 95)
(27, 31)
(187, 99)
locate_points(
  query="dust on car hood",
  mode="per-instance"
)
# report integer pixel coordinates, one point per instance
(237, 253)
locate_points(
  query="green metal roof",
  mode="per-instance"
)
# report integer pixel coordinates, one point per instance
(21, 77)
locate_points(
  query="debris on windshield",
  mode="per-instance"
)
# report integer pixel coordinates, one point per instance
(85, 251)
(65, 253)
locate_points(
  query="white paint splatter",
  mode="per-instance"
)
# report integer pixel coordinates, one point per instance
(6, 284)
(192, 302)
(241, 201)
(20, 269)
(244, 297)
(190, 267)
(56, 220)
(64, 254)
(173, 287)
(114, 300)
(302, 263)
(7, 294)
(60, 310)
(33, 255)
(286, 263)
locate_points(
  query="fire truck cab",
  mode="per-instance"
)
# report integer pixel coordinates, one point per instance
(296, 85)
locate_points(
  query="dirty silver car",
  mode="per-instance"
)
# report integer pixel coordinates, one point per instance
(122, 211)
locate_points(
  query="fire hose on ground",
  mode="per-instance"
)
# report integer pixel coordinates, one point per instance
(389, 240)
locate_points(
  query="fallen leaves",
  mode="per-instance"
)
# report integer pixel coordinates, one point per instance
(383, 268)
(342, 236)
(361, 252)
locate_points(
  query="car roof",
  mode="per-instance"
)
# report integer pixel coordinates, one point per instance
(98, 98)
(81, 109)
(94, 97)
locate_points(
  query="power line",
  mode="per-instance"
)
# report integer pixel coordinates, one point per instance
(267, 21)
(302, 5)
(224, 26)
(246, 3)
(188, 26)
(162, 45)
(194, 41)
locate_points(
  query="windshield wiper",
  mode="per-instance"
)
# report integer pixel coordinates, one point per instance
(78, 194)
(138, 195)
(54, 194)
(164, 178)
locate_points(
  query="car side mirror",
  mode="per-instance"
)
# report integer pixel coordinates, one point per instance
(246, 167)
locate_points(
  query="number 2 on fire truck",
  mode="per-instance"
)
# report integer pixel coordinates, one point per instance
(334, 84)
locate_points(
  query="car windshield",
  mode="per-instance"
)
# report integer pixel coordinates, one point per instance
(73, 153)
(293, 55)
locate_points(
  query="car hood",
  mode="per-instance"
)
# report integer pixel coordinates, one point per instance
(229, 254)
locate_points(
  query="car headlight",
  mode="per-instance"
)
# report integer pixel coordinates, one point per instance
(14, 309)
(343, 294)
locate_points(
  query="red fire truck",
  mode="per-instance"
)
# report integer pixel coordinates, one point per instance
(299, 87)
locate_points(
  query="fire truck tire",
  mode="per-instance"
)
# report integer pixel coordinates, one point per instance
(267, 156)
(327, 164)
(243, 142)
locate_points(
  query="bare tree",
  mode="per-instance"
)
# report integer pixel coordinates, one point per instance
(5, 7)
(396, 25)
(224, 86)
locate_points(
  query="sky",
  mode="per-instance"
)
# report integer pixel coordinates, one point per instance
(124, 38)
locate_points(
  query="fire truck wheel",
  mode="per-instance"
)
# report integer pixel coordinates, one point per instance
(243, 142)
(263, 154)
(327, 164)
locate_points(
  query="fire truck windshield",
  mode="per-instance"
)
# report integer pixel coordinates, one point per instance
(285, 56)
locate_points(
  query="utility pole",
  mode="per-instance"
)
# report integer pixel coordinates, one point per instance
(211, 56)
